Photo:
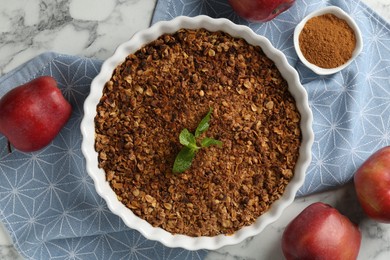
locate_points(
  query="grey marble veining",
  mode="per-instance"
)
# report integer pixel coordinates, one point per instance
(93, 28)
(8, 252)
(29, 28)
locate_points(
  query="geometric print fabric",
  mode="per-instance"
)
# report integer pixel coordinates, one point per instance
(49, 203)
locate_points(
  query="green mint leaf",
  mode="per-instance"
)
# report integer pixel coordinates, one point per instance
(204, 124)
(187, 139)
(206, 142)
(183, 160)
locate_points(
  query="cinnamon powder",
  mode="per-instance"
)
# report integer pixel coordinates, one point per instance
(327, 41)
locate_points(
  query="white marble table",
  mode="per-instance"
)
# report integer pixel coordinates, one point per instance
(96, 27)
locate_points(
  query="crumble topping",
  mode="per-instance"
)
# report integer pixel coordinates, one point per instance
(170, 84)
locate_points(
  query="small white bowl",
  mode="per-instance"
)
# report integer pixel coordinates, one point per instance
(98, 175)
(340, 14)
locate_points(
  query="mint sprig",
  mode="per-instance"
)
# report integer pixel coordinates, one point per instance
(186, 155)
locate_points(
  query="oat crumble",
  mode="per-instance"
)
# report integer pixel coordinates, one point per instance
(170, 84)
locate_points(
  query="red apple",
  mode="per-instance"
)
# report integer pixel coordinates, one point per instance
(31, 115)
(321, 232)
(372, 185)
(260, 10)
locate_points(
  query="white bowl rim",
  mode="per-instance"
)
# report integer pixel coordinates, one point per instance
(98, 175)
(340, 13)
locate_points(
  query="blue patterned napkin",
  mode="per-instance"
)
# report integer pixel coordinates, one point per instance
(49, 204)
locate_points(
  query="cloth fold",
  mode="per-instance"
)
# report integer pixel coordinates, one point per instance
(48, 202)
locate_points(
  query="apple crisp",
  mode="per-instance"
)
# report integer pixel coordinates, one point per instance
(170, 84)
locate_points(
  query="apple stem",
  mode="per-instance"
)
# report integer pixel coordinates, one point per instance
(9, 147)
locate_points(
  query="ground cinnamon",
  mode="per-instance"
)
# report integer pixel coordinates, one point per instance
(327, 41)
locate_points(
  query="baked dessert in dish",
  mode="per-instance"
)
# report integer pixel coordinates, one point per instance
(170, 84)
